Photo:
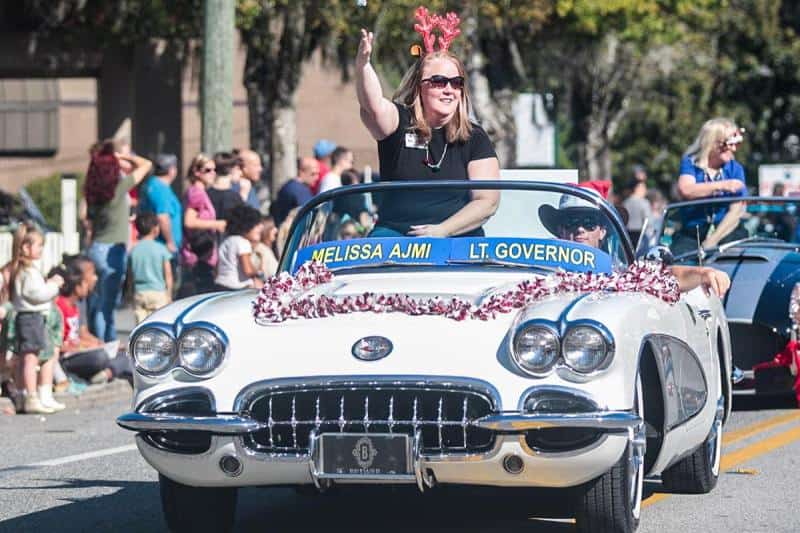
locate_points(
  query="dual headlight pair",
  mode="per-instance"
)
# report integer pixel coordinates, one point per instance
(198, 350)
(538, 347)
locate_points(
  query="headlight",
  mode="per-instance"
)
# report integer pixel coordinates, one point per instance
(535, 348)
(201, 351)
(153, 351)
(586, 349)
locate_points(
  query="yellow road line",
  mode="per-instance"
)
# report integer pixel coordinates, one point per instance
(760, 448)
(730, 437)
(752, 451)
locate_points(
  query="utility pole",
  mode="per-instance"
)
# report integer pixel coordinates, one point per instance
(217, 91)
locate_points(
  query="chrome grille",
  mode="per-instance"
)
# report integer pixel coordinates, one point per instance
(442, 415)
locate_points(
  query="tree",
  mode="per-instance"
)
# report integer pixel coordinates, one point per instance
(602, 59)
(489, 46)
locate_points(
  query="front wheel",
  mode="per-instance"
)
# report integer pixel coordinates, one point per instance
(197, 509)
(612, 502)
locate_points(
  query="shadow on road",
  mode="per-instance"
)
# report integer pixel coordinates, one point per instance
(760, 403)
(135, 507)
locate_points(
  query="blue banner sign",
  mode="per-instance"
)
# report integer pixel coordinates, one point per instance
(570, 256)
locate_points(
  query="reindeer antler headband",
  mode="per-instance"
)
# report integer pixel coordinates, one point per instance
(427, 23)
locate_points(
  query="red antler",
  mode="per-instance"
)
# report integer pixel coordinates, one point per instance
(425, 27)
(449, 26)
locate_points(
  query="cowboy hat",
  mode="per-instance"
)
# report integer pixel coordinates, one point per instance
(569, 207)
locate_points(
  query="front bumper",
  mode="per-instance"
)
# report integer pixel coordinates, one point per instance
(561, 469)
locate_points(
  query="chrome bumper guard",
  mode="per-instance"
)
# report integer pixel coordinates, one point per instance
(509, 422)
(612, 421)
(226, 424)
(219, 424)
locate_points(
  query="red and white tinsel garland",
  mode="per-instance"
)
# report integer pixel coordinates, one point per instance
(283, 296)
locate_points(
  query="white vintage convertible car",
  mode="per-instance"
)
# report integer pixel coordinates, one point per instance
(522, 354)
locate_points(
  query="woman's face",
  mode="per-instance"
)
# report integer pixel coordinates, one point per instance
(440, 103)
(206, 173)
(727, 151)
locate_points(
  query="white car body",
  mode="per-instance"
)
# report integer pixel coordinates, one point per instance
(686, 346)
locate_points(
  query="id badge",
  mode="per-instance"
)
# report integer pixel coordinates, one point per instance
(413, 141)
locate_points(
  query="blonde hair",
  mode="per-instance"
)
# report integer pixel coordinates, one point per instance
(26, 234)
(457, 130)
(197, 163)
(712, 133)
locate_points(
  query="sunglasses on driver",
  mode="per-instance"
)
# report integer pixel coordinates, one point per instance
(588, 223)
(440, 82)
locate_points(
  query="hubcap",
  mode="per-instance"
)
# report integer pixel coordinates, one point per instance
(638, 446)
(713, 447)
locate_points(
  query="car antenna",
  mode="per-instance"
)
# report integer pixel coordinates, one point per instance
(700, 252)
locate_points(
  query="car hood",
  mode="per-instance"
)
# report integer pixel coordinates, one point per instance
(762, 279)
(422, 345)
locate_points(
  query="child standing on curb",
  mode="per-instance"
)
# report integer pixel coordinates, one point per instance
(32, 297)
(235, 269)
(149, 269)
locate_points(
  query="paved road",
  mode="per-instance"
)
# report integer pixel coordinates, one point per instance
(79, 472)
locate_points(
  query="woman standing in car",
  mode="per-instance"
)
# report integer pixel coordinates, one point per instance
(425, 133)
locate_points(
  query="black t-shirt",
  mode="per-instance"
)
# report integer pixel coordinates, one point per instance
(402, 157)
(223, 201)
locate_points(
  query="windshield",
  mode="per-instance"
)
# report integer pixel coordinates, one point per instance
(715, 224)
(536, 225)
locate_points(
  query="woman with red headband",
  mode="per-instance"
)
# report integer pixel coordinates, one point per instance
(424, 133)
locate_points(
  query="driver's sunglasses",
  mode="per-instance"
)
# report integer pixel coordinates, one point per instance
(440, 82)
(587, 223)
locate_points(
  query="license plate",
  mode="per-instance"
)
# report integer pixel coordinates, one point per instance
(364, 455)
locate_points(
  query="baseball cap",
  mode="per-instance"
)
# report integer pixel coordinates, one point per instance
(323, 148)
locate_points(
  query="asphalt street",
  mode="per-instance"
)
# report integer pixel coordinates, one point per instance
(78, 472)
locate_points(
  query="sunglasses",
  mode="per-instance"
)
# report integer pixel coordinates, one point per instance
(206, 170)
(587, 223)
(440, 82)
(734, 140)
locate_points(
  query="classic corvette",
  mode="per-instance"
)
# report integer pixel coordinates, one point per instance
(759, 247)
(532, 353)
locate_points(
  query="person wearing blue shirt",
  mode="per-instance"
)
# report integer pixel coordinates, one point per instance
(297, 191)
(158, 197)
(709, 169)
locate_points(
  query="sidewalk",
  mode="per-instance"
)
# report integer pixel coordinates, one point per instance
(94, 395)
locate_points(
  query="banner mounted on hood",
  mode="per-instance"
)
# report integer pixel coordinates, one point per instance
(430, 251)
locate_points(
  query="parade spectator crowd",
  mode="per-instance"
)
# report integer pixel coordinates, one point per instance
(148, 236)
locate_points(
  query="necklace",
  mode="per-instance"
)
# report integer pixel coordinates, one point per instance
(429, 161)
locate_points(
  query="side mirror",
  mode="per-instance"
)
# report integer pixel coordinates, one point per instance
(660, 253)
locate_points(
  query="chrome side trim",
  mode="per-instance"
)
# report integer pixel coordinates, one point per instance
(303, 384)
(219, 424)
(610, 421)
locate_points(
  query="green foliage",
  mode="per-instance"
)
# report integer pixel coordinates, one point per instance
(46, 193)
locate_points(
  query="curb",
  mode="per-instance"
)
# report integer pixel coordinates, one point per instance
(94, 395)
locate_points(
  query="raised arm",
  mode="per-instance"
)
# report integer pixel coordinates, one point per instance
(378, 114)
(141, 166)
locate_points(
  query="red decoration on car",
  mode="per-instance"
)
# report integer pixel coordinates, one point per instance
(285, 297)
